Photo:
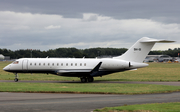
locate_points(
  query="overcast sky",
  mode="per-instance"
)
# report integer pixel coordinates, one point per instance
(50, 24)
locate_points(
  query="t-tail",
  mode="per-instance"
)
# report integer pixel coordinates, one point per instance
(139, 51)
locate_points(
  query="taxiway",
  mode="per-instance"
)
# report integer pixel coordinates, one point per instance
(47, 102)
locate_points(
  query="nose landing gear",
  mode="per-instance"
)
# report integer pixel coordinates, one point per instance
(16, 77)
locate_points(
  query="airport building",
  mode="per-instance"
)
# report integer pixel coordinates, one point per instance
(158, 58)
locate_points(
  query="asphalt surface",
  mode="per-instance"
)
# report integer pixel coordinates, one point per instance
(49, 102)
(45, 102)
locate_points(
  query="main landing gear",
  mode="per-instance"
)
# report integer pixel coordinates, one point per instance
(88, 79)
(16, 77)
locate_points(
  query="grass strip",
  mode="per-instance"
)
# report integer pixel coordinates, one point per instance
(93, 88)
(155, 107)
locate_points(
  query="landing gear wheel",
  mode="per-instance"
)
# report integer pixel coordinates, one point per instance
(16, 77)
(90, 79)
(16, 80)
(84, 80)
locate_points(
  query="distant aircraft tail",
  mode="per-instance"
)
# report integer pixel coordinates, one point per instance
(139, 51)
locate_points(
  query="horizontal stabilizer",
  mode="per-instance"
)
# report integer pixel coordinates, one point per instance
(146, 39)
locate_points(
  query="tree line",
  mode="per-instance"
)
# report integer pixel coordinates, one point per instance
(78, 53)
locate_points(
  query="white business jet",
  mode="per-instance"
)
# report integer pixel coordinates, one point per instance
(88, 68)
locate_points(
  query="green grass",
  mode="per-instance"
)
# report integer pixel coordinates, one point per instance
(156, 107)
(101, 88)
(154, 72)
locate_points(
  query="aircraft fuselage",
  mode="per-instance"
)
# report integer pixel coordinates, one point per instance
(70, 67)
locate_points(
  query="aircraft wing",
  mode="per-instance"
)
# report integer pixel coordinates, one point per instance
(92, 72)
(71, 71)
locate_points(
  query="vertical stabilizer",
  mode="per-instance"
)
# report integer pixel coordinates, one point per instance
(139, 51)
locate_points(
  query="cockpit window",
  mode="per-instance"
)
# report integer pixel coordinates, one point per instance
(15, 62)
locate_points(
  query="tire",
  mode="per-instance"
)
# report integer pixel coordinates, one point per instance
(16, 80)
(90, 79)
(84, 80)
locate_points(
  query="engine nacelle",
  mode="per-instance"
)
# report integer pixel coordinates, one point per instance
(115, 64)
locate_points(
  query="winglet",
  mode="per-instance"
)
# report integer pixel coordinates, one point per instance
(94, 71)
(97, 67)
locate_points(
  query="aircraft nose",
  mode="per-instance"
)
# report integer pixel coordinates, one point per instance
(6, 68)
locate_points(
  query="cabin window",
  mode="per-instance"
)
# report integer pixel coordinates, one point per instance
(53, 64)
(84, 64)
(39, 64)
(75, 64)
(71, 64)
(57, 64)
(61, 64)
(48, 64)
(16, 62)
(66, 64)
(30, 63)
(44, 64)
(80, 64)
(35, 64)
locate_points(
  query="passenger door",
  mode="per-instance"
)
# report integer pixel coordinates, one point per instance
(25, 65)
